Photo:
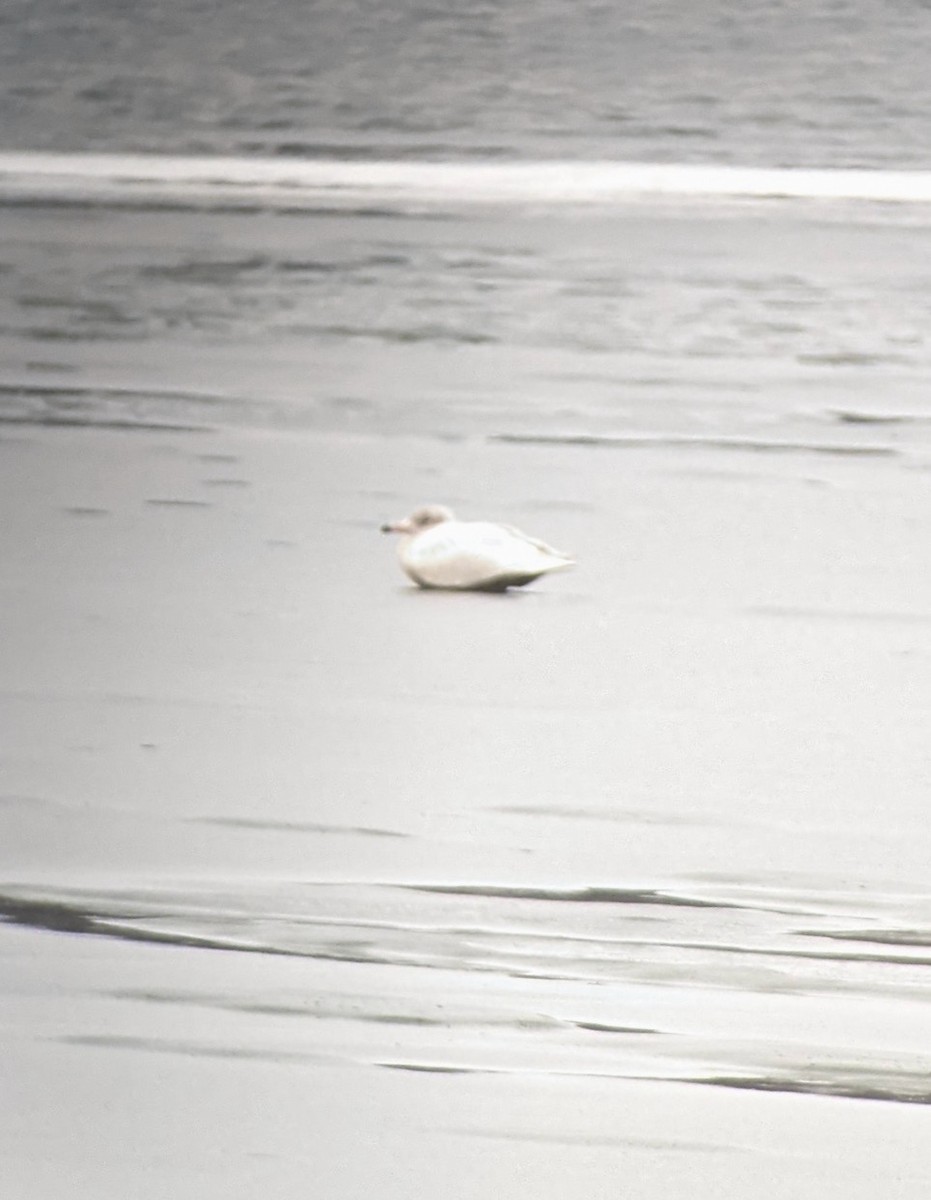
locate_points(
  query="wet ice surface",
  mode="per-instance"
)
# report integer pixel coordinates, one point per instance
(767, 324)
(777, 989)
(662, 820)
(337, 880)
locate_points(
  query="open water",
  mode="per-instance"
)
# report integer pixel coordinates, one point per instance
(477, 204)
(838, 83)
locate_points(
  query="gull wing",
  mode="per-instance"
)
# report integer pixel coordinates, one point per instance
(478, 555)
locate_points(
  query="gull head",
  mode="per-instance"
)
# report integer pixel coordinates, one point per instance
(419, 520)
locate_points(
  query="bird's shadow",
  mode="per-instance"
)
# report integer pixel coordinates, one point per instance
(510, 594)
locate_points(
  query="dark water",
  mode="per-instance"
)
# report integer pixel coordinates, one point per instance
(463, 301)
(781, 83)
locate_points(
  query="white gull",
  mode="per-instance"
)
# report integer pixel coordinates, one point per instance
(437, 551)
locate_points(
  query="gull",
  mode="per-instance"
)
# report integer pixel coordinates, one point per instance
(438, 551)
